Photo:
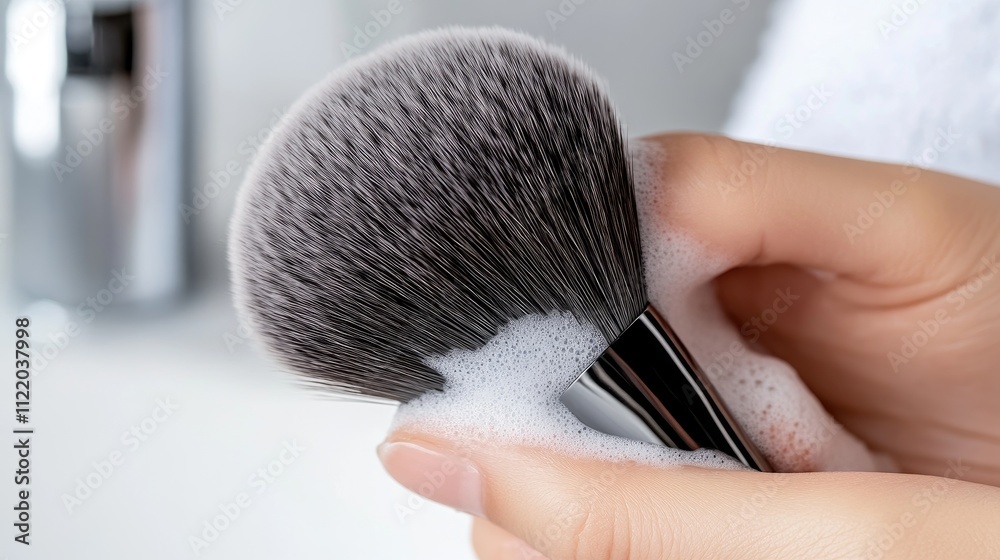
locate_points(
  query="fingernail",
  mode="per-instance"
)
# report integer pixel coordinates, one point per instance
(446, 479)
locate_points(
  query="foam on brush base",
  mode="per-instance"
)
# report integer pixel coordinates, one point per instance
(507, 392)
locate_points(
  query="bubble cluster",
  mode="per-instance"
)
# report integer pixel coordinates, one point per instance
(508, 390)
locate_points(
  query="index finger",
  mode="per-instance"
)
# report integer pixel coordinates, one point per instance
(874, 222)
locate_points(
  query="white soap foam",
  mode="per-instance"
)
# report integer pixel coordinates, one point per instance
(508, 390)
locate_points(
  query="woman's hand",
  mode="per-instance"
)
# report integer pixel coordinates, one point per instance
(897, 330)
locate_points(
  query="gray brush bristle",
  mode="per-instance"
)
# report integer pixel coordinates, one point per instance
(426, 195)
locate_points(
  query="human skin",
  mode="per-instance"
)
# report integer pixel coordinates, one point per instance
(927, 263)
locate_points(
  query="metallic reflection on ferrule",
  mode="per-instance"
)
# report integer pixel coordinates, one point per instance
(647, 387)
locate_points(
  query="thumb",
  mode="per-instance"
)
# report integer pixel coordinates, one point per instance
(567, 507)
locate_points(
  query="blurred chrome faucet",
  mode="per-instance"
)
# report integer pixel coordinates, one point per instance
(98, 133)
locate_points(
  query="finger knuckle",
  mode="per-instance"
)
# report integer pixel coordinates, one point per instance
(618, 525)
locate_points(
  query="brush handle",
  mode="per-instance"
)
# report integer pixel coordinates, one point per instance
(646, 386)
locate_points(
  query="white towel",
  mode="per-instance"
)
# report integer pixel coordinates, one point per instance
(910, 81)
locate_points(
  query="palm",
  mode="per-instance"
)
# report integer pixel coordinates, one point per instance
(916, 381)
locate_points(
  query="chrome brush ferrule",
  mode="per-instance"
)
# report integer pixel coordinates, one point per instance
(646, 386)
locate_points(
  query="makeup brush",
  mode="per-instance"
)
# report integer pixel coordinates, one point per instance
(426, 195)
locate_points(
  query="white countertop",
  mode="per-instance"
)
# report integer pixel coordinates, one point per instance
(232, 414)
